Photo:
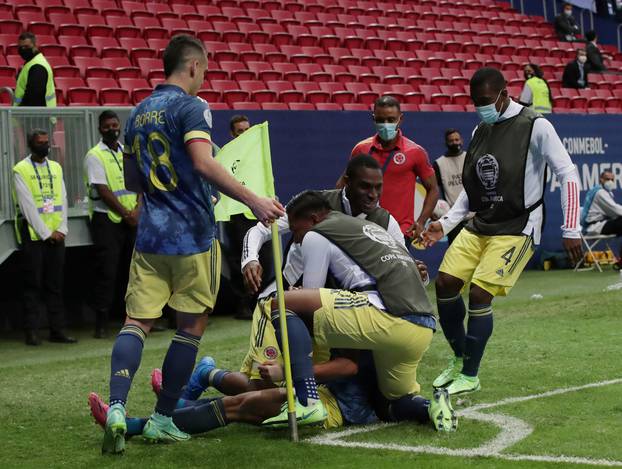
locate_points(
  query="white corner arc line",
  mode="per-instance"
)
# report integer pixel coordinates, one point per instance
(512, 431)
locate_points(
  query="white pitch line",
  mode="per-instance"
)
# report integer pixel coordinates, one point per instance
(513, 430)
(555, 392)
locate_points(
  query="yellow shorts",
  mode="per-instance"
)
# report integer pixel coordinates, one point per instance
(334, 418)
(189, 284)
(493, 263)
(347, 320)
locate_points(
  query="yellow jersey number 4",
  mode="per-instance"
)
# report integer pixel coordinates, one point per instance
(160, 160)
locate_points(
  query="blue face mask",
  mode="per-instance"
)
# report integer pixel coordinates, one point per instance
(489, 114)
(386, 132)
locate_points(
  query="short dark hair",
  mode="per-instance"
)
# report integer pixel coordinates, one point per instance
(235, 119)
(605, 171)
(34, 133)
(448, 132)
(580, 49)
(108, 114)
(178, 50)
(566, 4)
(488, 76)
(361, 161)
(27, 35)
(590, 35)
(306, 203)
(387, 101)
(537, 71)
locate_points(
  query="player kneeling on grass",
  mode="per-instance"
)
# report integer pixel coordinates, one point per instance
(383, 306)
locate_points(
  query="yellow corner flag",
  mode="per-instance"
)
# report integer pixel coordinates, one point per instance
(248, 159)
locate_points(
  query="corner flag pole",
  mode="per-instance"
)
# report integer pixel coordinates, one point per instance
(291, 404)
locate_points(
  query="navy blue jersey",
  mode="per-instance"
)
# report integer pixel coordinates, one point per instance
(177, 216)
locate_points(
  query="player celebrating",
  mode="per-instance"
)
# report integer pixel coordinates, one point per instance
(504, 175)
(391, 316)
(176, 258)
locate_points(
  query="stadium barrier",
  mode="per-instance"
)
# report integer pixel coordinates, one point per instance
(309, 150)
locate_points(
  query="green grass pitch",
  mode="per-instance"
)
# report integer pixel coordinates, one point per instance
(571, 337)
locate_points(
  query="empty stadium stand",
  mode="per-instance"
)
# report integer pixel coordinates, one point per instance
(303, 55)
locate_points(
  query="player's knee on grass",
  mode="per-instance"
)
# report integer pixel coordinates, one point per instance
(447, 285)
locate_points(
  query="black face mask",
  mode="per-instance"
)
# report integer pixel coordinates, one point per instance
(26, 53)
(528, 76)
(111, 135)
(454, 149)
(40, 150)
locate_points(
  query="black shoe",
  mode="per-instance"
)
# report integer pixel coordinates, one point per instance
(32, 338)
(60, 338)
(101, 333)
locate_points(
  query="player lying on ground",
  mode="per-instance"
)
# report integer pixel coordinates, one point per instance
(347, 396)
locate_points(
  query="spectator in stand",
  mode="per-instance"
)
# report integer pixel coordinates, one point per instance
(536, 93)
(35, 82)
(41, 227)
(566, 26)
(595, 58)
(575, 73)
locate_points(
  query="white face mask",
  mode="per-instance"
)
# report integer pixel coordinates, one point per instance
(609, 185)
(568, 12)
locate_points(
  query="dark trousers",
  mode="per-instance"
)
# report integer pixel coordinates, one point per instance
(235, 230)
(113, 245)
(43, 269)
(613, 227)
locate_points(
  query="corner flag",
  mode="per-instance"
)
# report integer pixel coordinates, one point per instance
(248, 159)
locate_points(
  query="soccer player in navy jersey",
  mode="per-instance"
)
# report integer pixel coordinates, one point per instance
(176, 259)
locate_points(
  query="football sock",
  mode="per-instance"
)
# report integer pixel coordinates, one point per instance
(135, 426)
(300, 351)
(201, 418)
(215, 377)
(451, 312)
(176, 370)
(124, 362)
(479, 330)
(410, 407)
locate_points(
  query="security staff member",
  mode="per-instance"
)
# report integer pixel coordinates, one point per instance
(41, 226)
(536, 92)
(35, 83)
(113, 212)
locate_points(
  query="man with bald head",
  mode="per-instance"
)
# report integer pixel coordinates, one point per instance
(503, 177)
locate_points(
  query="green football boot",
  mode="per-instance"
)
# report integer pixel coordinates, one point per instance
(114, 431)
(449, 374)
(441, 413)
(463, 384)
(161, 429)
(312, 414)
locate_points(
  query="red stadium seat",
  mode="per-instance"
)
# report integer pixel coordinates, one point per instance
(430, 107)
(355, 107)
(114, 97)
(329, 107)
(301, 107)
(81, 97)
(274, 107)
(246, 106)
